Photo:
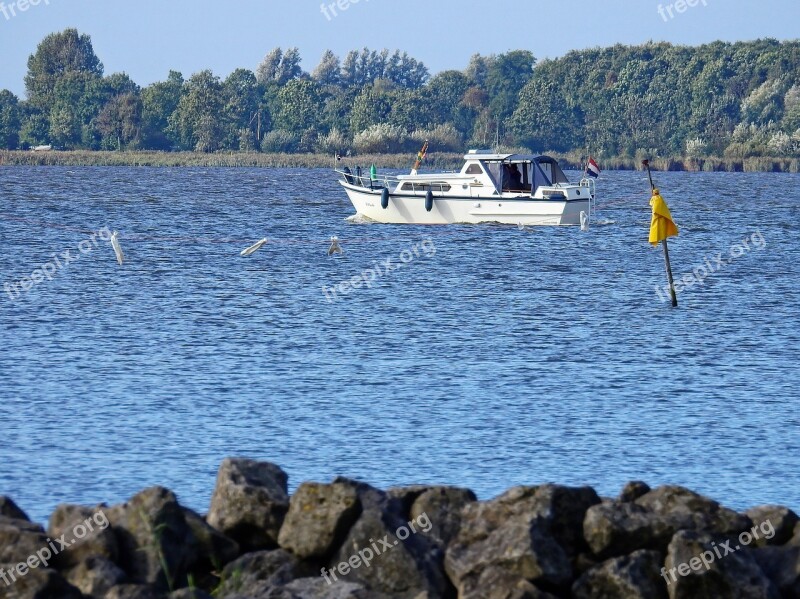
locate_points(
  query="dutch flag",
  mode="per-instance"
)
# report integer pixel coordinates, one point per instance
(592, 169)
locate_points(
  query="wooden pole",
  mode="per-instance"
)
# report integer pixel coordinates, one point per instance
(672, 293)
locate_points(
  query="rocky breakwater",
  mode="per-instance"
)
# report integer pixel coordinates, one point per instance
(346, 539)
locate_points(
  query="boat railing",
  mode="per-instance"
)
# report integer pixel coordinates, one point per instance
(368, 181)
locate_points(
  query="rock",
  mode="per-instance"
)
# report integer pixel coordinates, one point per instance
(613, 529)
(387, 552)
(374, 555)
(255, 573)
(687, 510)
(156, 545)
(317, 588)
(71, 522)
(95, 576)
(249, 503)
(775, 521)
(633, 490)
(635, 576)
(214, 549)
(619, 528)
(19, 539)
(319, 518)
(517, 533)
(442, 507)
(190, 594)
(782, 567)
(498, 583)
(132, 591)
(38, 583)
(735, 574)
(9, 509)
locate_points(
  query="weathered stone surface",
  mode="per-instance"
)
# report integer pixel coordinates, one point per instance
(396, 566)
(633, 490)
(442, 506)
(687, 510)
(213, 549)
(613, 528)
(619, 528)
(519, 533)
(498, 583)
(319, 518)
(317, 588)
(73, 521)
(9, 509)
(156, 545)
(132, 591)
(190, 594)
(733, 575)
(19, 539)
(782, 567)
(95, 576)
(776, 520)
(39, 583)
(249, 503)
(635, 576)
(256, 573)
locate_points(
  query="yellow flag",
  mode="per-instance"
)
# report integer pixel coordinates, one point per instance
(661, 226)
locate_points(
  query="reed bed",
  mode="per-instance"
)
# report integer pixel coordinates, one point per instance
(443, 161)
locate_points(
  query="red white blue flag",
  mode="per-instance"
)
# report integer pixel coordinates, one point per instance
(592, 169)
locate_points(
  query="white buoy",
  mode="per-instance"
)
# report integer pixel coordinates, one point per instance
(584, 221)
(117, 248)
(254, 248)
(335, 247)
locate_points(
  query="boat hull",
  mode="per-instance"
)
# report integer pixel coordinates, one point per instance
(410, 209)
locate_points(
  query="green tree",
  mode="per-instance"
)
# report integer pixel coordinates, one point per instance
(241, 95)
(120, 121)
(9, 120)
(299, 106)
(57, 56)
(159, 101)
(198, 120)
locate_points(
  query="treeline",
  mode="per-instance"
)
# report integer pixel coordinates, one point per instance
(728, 100)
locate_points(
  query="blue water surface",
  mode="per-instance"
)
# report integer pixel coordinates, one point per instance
(495, 356)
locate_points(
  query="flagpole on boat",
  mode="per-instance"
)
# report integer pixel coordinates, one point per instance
(673, 295)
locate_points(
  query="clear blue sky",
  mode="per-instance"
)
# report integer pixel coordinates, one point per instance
(147, 38)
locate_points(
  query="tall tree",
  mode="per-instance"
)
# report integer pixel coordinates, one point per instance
(328, 70)
(159, 102)
(198, 121)
(57, 56)
(9, 120)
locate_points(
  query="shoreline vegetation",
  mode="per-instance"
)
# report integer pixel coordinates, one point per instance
(347, 538)
(439, 160)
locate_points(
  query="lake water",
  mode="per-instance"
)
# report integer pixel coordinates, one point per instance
(493, 357)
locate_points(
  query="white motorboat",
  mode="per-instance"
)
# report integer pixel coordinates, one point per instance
(515, 189)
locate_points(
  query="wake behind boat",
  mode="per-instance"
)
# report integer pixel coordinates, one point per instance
(517, 189)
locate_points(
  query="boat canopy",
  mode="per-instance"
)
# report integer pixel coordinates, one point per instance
(537, 171)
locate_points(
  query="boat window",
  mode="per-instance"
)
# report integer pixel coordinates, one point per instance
(474, 169)
(423, 187)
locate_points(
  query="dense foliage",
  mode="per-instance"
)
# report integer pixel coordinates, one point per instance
(735, 100)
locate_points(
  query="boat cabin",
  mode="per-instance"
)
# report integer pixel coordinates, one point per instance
(514, 173)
